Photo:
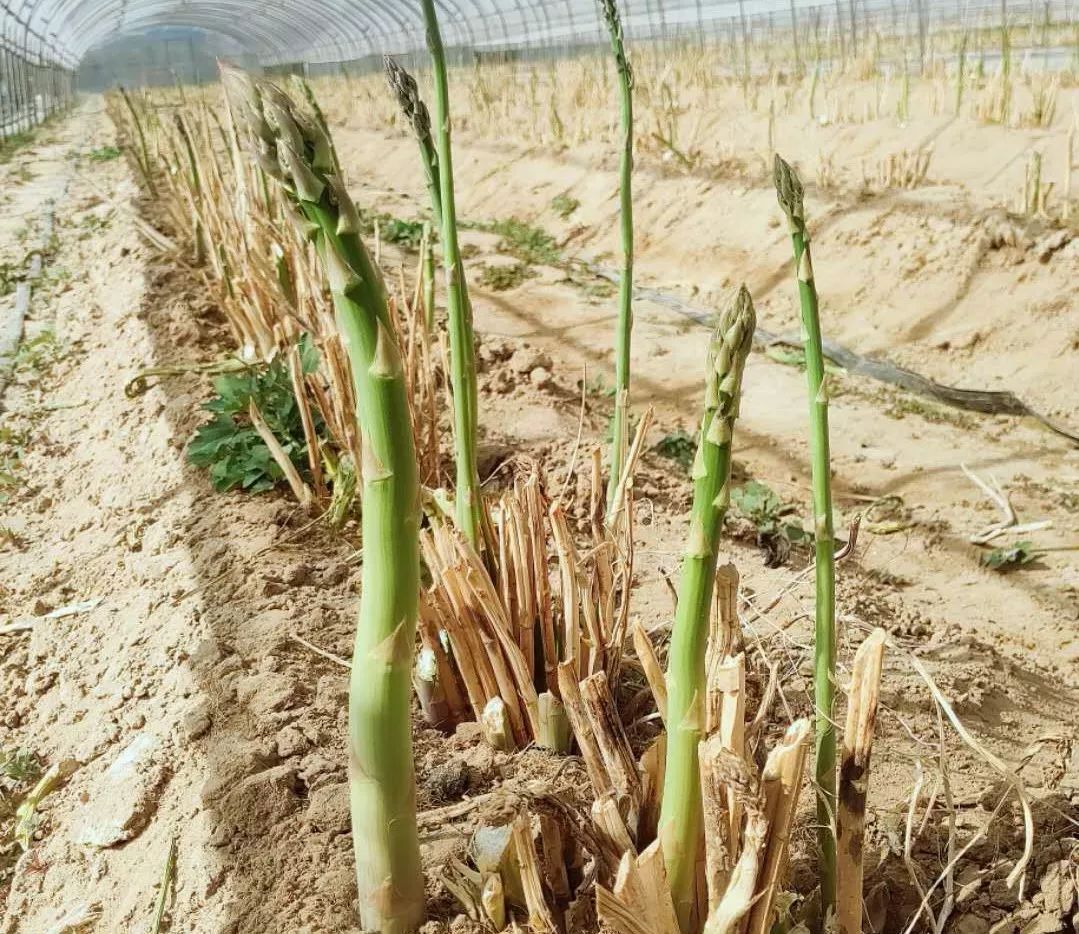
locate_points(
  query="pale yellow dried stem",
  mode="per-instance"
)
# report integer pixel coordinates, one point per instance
(782, 784)
(857, 744)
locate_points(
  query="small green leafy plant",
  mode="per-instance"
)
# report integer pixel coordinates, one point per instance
(103, 154)
(594, 289)
(598, 386)
(524, 241)
(230, 447)
(1007, 559)
(680, 446)
(19, 765)
(38, 353)
(11, 445)
(10, 275)
(404, 233)
(19, 769)
(564, 205)
(14, 143)
(502, 278)
(777, 525)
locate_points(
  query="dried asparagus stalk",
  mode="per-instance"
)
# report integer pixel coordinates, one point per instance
(731, 881)
(680, 818)
(789, 191)
(653, 672)
(292, 148)
(854, 779)
(782, 785)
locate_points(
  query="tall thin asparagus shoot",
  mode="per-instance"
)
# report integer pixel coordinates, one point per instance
(405, 89)
(142, 157)
(458, 308)
(790, 193)
(623, 338)
(681, 817)
(292, 148)
(195, 191)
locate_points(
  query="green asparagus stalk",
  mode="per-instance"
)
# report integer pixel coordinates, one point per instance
(960, 73)
(428, 278)
(292, 148)
(195, 188)
(680, 822)
(404, 88)
(142, 157)
(301, 85)
(789, 190)
(620, 427)
(458, 308)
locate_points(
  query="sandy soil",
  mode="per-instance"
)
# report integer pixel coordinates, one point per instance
(189, 711)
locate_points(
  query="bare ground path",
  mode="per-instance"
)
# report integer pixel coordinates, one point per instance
(176, 697)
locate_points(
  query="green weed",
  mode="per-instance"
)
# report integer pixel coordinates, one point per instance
(19, 769)
(524, 241)
(11, 275)
(592, 287)
(92, 223)
(38, 354)
(19, 765)
(103, 154)
(564, 205)
(14, 143)
(679, 446)
(900, 405)
(598, 386)
(775, 521)
(501, 278)
(1007, 559)
(230, 447)
(404, 233)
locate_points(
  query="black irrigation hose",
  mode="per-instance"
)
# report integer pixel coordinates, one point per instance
(985, 401)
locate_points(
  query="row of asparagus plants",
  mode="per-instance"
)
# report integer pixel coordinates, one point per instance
(290, 142)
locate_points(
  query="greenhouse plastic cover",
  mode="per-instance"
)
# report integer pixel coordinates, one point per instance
(278, 31)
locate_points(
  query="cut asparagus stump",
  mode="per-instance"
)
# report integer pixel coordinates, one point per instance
(864, 697)
(789, 191)
(680, 822)
(292, 148)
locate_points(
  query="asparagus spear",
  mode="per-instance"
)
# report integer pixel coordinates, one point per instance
(680, 822)
(404, 88)
(458, 308)
(293, 149)
(142, 157)
(619, 427)
(308, 95)
(789, 190)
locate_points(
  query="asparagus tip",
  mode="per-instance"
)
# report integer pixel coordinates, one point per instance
(788, 188)
(403, 86)
(728, 351)
(737, 322)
